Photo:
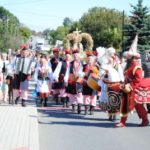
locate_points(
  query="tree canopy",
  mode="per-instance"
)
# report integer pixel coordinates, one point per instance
(139, 24)
(105, 26)
(11, 31)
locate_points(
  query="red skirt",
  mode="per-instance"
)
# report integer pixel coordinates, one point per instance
(43, 95)
(142, 93)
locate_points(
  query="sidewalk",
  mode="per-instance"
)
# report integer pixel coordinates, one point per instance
(19, 127)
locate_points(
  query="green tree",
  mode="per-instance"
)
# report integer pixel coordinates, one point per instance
(25, 33)
(58, 34)
(139, 24)
(75, 25)
(105, 26)
(67, 22)
(9, 30)
(46, 34)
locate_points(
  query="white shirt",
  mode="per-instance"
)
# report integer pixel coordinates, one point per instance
(104, 94)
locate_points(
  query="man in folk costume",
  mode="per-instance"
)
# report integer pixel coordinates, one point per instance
(131, 97)
(61, 76)
(43, 75)
(53, 64)
(75, 80)
(24, 65)
(67, 60)
(89, 95)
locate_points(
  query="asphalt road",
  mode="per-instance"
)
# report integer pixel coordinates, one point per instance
(61, 129)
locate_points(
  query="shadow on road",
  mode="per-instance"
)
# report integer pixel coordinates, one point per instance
(64, 116)
(85, 124)
(67, 117)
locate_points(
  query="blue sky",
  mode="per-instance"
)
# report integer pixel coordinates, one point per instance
(42, 14)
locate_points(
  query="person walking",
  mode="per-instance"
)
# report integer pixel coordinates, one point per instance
(53, 63)
(23, 67)
(133, 81)
(74, 87)
(89, 95)
(43, 75)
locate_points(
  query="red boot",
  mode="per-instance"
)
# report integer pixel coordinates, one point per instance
(144, 123)
(142, 113)
(122, 122)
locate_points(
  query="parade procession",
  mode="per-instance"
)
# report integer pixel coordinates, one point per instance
(79, 80)
(74, 75)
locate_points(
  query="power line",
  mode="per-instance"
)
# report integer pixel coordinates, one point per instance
(24, 2)
(45, 15)
(39, 27)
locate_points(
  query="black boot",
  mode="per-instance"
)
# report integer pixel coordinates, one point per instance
(41, 101)
(67, 101)
(86, 109)
(91, 110)
(110, 117)
(56, 99)
(73, 107)
(63, 99)
(114, 117)
(45, 102)
(79, 109)
(9, 96)
(23, 103)
(16, 100)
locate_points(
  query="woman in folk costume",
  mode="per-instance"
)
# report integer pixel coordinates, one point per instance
(114, 89)
(89, 95)
(75, 80)
(61, 76)
(53, 63)
(110, 96)
(103, 95)
(4, 70)
(1, 77)
(1, 83)
(116, 62)
(109, 83)
(136, 90)
(9, 76)
(43, 75)
(5, 62)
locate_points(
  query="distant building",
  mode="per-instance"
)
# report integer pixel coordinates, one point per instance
(39, 43)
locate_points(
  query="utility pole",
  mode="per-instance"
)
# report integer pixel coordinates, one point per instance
(123, 47)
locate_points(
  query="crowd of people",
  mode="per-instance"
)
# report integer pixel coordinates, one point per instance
(102, 75)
